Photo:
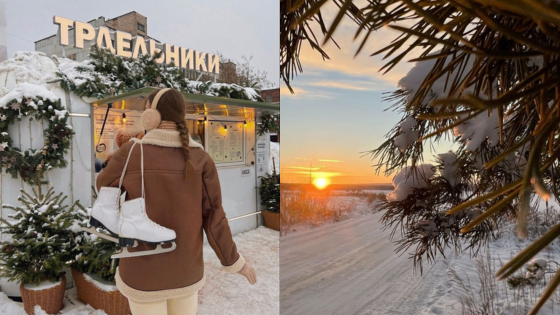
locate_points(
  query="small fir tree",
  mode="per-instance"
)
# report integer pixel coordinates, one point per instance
(93, 254)
(94, 258)
(270, 190)
(269, 123)
(42, 241)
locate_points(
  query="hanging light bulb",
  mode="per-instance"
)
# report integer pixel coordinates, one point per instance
(124, 118)
(245, 123)
(225, 127)
(205, 119)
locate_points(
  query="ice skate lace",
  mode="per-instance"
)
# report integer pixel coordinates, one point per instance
(159, 226)
(154, 224)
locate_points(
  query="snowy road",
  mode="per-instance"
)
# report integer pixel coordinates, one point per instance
(350, 268)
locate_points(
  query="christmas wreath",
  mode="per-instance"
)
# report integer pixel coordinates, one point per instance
(30, 163)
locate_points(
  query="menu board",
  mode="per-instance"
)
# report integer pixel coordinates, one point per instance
(225, 144)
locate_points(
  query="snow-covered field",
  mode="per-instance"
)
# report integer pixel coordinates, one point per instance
(224, 293)
(350, 267)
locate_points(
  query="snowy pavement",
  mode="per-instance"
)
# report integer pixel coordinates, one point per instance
(224, 293)
(349, 267)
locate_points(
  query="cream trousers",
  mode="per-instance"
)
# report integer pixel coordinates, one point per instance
(185, 305)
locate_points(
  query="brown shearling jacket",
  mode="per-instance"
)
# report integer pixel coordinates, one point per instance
(186, 205)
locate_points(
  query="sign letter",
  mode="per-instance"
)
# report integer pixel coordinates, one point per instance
(104, 39)
(200, 61)
(171, 52)
(63, 25)
(187, 60)
(214, 63)
(122, 42)
(139, 44)
(154, 50)
(82, 32)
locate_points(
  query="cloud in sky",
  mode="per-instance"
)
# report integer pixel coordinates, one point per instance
(341, 85)
(303, 94)
(344, 60)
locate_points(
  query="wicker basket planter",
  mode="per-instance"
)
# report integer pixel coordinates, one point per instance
(111, 302)
(271, 220)
(50, 300)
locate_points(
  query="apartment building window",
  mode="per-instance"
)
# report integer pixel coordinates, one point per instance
(141, 27)
(269, 98)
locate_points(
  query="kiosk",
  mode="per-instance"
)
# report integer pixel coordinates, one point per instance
(226, 128)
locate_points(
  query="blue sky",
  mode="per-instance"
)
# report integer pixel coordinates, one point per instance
(322, 122)
(337, 110)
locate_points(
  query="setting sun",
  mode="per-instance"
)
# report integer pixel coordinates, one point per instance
(321, 183)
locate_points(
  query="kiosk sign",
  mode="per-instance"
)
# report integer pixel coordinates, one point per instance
(125, 45)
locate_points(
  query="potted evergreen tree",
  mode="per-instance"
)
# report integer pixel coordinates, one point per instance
(270, 198)
(42, 234)
(94, 271)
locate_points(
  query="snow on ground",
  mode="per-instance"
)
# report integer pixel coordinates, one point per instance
(224, 294)
(444, 297)
(232, 294)
(347, 267)
(351, 268)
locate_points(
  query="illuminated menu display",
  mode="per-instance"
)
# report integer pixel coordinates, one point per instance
(225, 141)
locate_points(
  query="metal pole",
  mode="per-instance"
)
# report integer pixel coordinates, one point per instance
(103, 127)
(244, 216)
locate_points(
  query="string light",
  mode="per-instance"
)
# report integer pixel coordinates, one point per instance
(245, 123)
(123, 117)
(225, 127)
(205, 119)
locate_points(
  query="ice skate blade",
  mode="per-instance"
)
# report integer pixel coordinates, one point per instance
(124, 253)
(102, 235)
(96, 224)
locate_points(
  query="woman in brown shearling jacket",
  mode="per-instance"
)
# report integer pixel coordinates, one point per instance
(182, 193)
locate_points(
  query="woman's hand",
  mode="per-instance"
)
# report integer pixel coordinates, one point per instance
(249, 272)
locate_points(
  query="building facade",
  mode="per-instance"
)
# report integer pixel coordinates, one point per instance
(271, 95)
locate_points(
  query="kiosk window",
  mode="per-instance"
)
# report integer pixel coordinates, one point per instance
(196, 130)
(225, 141)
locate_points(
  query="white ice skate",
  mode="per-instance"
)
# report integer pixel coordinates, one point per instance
(135, 225)
(105, 213)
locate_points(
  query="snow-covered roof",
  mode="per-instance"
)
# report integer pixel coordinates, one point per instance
(27, 75)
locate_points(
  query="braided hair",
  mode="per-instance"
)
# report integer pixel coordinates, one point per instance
(184, 132)
(171, 106)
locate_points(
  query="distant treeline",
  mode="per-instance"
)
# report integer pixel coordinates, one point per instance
(291, 186)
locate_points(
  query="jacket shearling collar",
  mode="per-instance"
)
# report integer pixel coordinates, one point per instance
(166, 138)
